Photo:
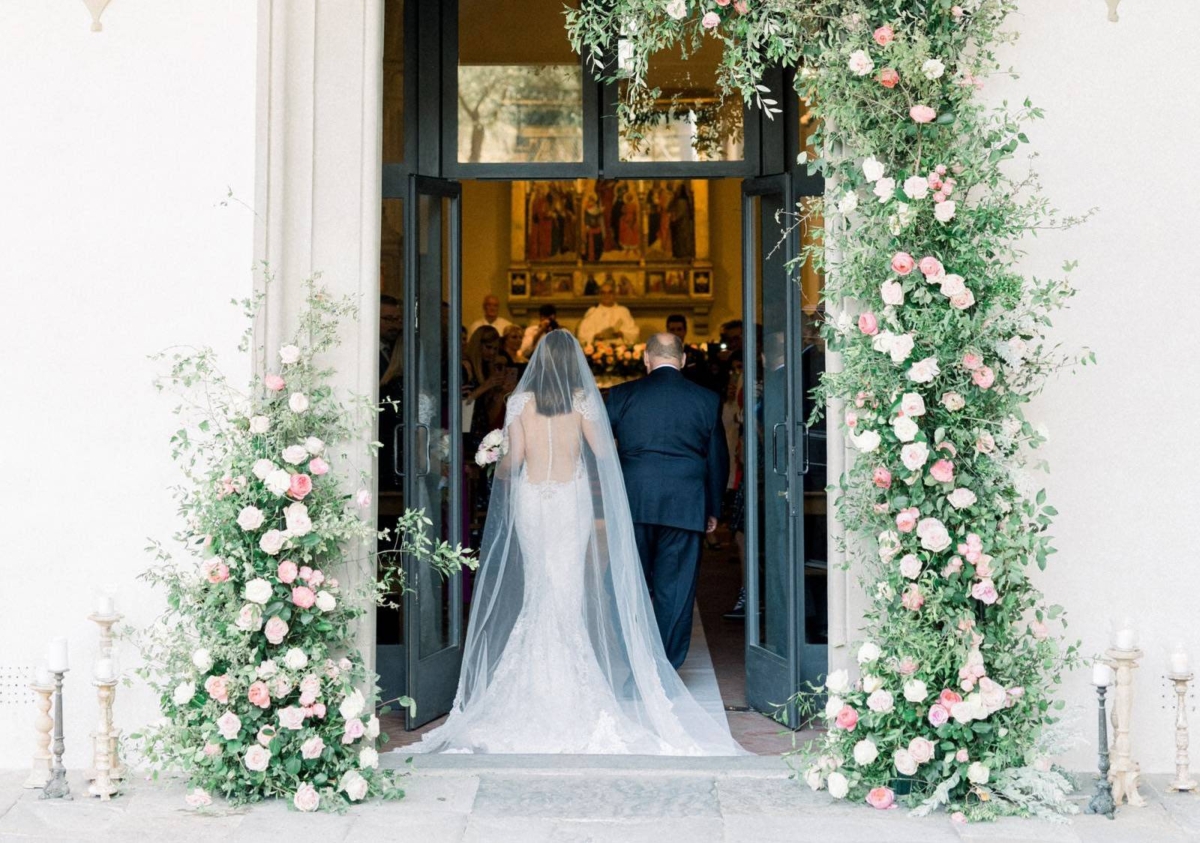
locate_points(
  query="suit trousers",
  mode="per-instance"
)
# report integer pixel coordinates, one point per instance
(671, 562)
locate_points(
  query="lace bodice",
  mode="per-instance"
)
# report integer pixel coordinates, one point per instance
(548, 449)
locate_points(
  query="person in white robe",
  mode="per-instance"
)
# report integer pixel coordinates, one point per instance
(608, 320)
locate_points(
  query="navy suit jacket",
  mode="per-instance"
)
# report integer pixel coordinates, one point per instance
(672, 448)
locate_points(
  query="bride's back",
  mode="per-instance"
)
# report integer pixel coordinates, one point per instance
(550, 444)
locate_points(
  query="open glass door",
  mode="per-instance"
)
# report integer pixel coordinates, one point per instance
(432, 444)
(775, 464)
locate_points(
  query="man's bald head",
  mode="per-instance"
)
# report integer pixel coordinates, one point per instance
(664, 350)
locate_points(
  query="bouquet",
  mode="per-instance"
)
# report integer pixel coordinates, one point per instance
(493, 447)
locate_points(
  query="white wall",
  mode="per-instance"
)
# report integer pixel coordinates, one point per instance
(115, 151)
(1122, 122)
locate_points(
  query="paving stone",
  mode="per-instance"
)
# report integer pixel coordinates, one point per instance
(1016, 830)
(607, 797)
(438, 794)
(512, 830)
(388, 824)
(819, 826)
(783, 797)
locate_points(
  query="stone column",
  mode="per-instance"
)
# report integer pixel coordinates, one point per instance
(317, 193)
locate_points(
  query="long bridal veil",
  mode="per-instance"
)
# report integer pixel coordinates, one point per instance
(562, 651)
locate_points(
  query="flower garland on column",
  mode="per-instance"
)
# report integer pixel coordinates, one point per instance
(942, 343)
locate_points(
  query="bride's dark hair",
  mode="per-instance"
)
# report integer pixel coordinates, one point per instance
(553, 375)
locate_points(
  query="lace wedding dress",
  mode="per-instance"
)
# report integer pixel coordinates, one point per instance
(562, 652)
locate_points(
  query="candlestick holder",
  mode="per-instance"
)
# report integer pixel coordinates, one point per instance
(103, 785)
(1125, 771)
(1102, 800)
(57, 787)
(40, 774)
(1183, 778)
(106, 624)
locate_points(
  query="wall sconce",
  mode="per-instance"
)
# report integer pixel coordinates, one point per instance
(97, 7)
(1112, 10)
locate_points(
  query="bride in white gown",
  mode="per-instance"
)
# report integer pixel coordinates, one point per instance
(562, 652)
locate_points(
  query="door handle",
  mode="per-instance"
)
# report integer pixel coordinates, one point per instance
(805, 464)
(397, 433)
(775, 449)
(428, 453)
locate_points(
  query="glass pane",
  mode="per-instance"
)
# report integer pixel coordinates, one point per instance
(812, 363)
(389, 621)
(688, 120)
(520, 85)
(393, 81)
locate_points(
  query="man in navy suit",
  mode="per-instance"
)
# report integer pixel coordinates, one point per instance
(675, 460)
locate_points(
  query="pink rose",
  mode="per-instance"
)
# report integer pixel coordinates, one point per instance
(711, 20)
(983, 377)
(1016, 692)
(942, 471)
(962, 756)
(957, 11)
(939, 197)
(312, 748)
(307, 798)
(229, 725)
(908, 666)
(318, 710)
(851, 419)
(275, 630)
(910, 566)
(889, 78)
(884, 36)
(318, 466)
(939, 715)
(305, 572)
(922, 114)
(931, 267)
(354, 730)
(259, 695)
(722, 3)
(847, 718)
(971, 361)
(949, 699)
(215, 571)
(315, 579)
(921, 749)
(212, 750)
(291, 718)
(868, 324)
(902, 263)
(881, 477)
(1039, 630)
(881, 798)
(906, 520)
(300, 486)
(912, 598)
(303, 597)
(287, 571)
(741, 6)
(218, 688)
(273, 383)
(952, 567)
(985, 592)
(934, 180)
(363, 498)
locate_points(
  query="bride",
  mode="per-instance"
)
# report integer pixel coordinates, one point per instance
(562, 653)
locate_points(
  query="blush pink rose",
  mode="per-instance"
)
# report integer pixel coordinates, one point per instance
(985, 592)
(902, 263)
(912, 598)
(882, 478)
(884, 35)
(1039, 630)
(939, 197)
(948, 699)
(868, 324)
(847, 718)
(962, 756)
(315, 579)
(303, 597)
(354, 730)
(889, 78)
(275, 630)
(922, 114)
(300, 486)
(952, 567)
(942, 471)
(906, 519)
(216, 571)
(881, 798)
(921, 749)
(971, 361)
(287, 571)
(259, 695)
(983, 377)
(711, 20)
(939, 715)
(908, 666)
(741, 6)
(318, 466)
(212, 750)
(931, 267)
(318, 710)
(218, 688)
(273, 383)
(305, 572)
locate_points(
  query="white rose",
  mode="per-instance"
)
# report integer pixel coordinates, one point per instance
(202, 660)
(885, 189)
(278, 482)
(912, 404)
(978, 774)
(257, 758)
(868, 652)
(910, 566)
(963, 300)
(812, 777)
(326, 601)
(873, 169)
(914, 455)
(953, 285)
(838, 785)
(892, 293)
(904, 428)
(314, 445)
(250, 518)
(985, 443)
(290, 718)
(677, 9)
(352, 705)
(307, 798)
(916, 187)
(882, 342)
(289, 354)
(848, 203)
(889, 546)
(906, 765)
(860, 63)
(295, 454)
(961, 498)
(867, 441)
(933, 534)
(915, 691)
(865, 752)
(884, 591)
(183, 693)
(298, 522)
(953, 402)
(271, 542)
(229, 724)
(258, 591)
(924, 371)
(372, 727)
(838, 682)
(933, 69)
(881, 701)
(871, 684)
(249, 618)
(368, 758)
(267, 669)
(298, 402)
(900, 348)
(944, 211)
(832, 706)
(262, 468)
(296, 659)
(259, 424)
(354, 786)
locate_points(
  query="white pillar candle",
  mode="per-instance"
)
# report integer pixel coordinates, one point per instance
(106, 606)
(42, 677)
(1102, 674)
(1125, 638)
(1179, 661)
(103, 670)
(56, 656)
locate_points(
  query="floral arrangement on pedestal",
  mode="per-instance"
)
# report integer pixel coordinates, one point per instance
(620, 359)
(261, 689)
(942, 343)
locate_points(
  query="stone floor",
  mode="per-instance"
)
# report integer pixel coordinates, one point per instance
(568, 800)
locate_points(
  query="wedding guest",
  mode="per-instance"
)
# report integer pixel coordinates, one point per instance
(514, 338)
(547, 322)
(491, 317)
(608, 320)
